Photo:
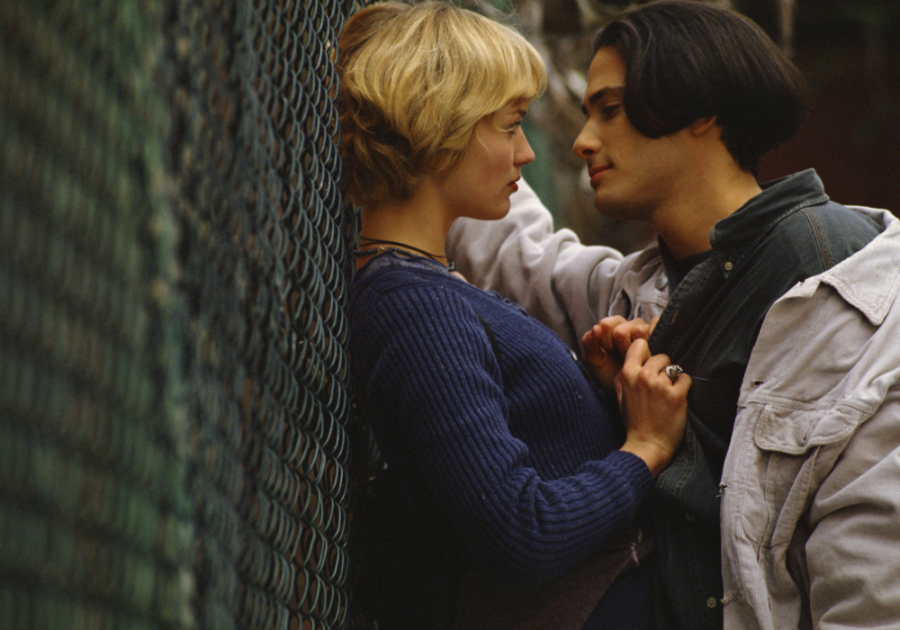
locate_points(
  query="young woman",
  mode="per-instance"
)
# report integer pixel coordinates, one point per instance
(512, 486)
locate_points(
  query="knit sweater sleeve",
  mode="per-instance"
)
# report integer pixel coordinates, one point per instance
(425, 362)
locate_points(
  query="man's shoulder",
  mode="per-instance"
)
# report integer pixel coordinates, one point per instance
(868, 280)
(830, 231)
(836, 214)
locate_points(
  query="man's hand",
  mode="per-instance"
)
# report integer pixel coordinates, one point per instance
(607, 342)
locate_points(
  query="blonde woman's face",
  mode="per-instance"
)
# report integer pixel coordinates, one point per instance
(480, 184)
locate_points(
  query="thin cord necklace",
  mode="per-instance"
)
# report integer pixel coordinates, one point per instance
(372, 246)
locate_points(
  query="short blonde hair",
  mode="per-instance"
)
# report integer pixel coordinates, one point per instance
(414, 81)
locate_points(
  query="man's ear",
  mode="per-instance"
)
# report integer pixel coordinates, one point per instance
(702, 125)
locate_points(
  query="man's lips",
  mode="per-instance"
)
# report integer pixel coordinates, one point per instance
(595, 172)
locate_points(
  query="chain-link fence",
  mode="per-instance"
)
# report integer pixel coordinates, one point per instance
(174, 258)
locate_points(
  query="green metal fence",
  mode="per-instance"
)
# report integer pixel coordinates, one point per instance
(174, 258)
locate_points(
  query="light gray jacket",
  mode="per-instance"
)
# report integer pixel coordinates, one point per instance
(811, 485)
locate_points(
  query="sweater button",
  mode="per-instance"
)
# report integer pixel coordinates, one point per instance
(711, 602)
(728, 266)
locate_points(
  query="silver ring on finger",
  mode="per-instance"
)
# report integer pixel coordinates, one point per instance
(673, 372)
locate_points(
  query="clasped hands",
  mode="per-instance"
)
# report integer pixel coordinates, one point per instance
(653, 405)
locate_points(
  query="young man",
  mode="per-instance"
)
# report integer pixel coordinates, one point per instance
(781, 305)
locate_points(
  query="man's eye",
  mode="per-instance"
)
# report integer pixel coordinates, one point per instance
(609, 111)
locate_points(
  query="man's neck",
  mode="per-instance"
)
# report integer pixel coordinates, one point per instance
(685, 224)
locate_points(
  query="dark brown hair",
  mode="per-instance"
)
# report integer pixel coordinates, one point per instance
(687, 60)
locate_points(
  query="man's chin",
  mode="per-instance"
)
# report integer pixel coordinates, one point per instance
(609, 208)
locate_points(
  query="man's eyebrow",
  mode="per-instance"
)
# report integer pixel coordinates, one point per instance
(593, 99)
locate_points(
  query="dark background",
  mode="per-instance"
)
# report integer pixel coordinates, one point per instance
(849, 53)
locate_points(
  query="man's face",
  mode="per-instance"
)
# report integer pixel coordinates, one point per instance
(633, 176)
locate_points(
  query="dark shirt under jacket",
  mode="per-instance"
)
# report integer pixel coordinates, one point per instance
(718, 300)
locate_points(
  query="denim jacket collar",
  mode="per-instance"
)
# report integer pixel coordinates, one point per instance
(735, 236)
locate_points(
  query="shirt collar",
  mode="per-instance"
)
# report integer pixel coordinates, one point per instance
(676, 270)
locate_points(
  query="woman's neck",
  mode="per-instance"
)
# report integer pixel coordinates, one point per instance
(418, 222)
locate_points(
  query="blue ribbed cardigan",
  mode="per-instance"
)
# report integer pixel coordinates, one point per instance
(502, 452)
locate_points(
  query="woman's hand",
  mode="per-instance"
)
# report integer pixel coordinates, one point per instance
(653, 405)
(606, 343)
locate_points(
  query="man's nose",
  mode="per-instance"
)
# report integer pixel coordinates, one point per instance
(586, 143)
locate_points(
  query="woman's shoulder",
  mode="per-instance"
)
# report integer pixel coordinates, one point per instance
(405, 287)
(401, 308)
(389, 270)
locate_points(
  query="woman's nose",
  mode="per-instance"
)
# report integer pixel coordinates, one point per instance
(524, 154)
